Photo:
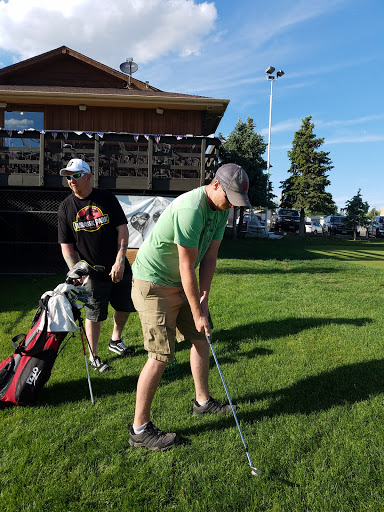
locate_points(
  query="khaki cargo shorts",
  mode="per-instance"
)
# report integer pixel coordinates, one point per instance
(165, 316)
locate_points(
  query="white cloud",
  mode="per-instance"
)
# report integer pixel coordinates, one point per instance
(350, 122)
(107, 31)
(18, 124)
(290, 125)
(355, 139)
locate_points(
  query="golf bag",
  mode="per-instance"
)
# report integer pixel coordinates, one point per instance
(23, 375)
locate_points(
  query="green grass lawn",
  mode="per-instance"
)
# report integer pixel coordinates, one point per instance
(298, 334)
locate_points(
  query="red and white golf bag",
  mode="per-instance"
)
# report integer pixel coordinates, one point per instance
(23, 375)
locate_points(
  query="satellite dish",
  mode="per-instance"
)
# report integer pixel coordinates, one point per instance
(128, 67)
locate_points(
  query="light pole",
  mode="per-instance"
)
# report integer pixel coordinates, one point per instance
(271, 77)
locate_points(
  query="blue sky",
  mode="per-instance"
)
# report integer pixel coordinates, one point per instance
(332, 52)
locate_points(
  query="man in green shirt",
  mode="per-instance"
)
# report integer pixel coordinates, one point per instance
(169, 297)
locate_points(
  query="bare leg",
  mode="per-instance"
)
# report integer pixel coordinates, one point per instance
(119, 320)
(146, 388)
(93, 330)
(200, 368)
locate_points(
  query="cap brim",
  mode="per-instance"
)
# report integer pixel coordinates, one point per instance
(67, 172)
(237, 199)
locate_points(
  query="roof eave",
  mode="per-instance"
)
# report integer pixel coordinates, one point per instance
(114, 100)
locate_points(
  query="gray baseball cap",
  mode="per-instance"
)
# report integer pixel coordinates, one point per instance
(235, 183)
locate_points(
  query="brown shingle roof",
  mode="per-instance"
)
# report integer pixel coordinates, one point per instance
(95, 90)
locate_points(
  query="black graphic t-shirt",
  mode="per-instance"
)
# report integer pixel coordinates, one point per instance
(90, 225)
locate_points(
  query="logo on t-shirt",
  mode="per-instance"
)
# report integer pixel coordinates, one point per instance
(90, 218)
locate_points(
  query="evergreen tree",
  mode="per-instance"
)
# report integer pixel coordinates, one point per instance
(245, 147)
(373, 213)
(356, 213)
(305, 190)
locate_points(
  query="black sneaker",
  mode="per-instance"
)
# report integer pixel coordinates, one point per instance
(120, 348)
(152, 438)
(212, 407)
(98, 365)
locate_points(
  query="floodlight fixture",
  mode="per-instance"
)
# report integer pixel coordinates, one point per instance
(269, 71)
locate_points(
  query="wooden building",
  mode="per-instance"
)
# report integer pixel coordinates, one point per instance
(137, 139)
(124, 128)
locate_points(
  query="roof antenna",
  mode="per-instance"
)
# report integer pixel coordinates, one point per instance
(128, 67)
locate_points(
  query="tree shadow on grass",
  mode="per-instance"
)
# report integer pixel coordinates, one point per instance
(342, 386)
(343, 382)
(278, 329)
(78, 390)
(283, 270)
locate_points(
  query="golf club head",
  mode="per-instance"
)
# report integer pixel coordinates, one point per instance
(81, 269)
(255, 471)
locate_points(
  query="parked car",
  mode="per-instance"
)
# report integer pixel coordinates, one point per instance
(335, 224)
(314, 227)
(286, 219)
(250, 222)
(376, 227)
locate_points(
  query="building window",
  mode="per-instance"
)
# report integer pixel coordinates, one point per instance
(17, 121)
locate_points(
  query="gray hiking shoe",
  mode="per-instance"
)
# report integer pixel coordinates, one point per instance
(152, 438)
(98, 365)
(212, 407)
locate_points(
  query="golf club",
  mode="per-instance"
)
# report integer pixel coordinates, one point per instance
(85, 358)
(80, 270)
(254, 470)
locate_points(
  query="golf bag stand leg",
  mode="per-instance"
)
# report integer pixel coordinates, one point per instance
(254, 470)
(82, 334)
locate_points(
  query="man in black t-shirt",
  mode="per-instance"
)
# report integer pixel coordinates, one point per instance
(93, 227)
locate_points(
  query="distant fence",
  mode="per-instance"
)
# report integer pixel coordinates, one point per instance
(28, 234)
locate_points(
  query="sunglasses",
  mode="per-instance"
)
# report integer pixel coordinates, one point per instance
(225, 195)
(75, 176)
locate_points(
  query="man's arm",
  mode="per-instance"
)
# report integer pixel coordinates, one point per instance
(117, 270)
(187, 260)
(206, 271)
(70, 256)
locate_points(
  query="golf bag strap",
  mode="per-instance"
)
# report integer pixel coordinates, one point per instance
(16, 340)
(35, 337)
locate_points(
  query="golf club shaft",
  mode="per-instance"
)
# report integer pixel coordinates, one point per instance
(89, 379)
(86, 365)
(230, 402)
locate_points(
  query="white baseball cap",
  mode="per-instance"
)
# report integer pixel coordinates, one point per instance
(75, 165)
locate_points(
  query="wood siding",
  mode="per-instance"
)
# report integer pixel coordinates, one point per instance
(63, 71)
(102, 119)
